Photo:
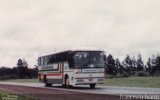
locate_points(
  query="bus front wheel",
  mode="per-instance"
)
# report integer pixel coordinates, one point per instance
(92, 86)
(48, 85)
(67, 84)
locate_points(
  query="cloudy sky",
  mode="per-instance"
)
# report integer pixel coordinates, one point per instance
(30, 28)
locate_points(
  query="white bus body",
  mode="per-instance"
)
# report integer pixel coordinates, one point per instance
(72, 68)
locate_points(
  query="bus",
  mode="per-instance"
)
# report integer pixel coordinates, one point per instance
(72, 67)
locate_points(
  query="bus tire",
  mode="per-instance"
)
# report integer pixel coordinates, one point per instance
(46, 83)
(92, 86)
(66, 83)
(44, 79)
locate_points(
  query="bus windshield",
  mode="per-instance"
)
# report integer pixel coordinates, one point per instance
(89, 59)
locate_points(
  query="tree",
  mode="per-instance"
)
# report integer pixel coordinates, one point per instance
(5, 73)
(25, 64)
(157, 67)
(20, 63)
(134, 65)
(15, 73)
(140, 64)
(119, 66)
(127, 63)
(158, 63)
(150, 67)
(153, 63)
(110, 65)
(22, 68)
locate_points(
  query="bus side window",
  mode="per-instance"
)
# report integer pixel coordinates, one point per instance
(42, 61)
(70, 62)
(50, 60)
(65, 66)
(46, 60)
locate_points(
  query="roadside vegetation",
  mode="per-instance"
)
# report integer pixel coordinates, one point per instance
(132, 66)
(153, 82)
(133, 72)
(10, 96)
(21, 71)
(23, 80)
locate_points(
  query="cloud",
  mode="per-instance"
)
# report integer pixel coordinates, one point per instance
(30, 28)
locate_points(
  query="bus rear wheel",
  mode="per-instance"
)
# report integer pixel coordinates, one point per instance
(92, 86)
(46, 83)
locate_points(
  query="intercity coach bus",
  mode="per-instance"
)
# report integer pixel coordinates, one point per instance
(72, 67)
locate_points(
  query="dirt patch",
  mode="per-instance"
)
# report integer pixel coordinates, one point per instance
(53, 94)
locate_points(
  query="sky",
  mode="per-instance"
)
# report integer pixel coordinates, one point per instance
(32, 28)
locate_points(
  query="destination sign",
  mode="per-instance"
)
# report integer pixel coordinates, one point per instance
(50, 67)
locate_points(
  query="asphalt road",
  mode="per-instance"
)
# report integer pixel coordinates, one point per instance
(37, 93)
(112, 90)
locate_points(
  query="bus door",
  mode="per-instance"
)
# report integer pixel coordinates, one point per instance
(60, 71)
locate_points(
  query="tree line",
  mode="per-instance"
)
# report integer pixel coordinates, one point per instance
(132, 66)
(21, 71)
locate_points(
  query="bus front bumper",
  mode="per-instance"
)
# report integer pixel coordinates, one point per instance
(91, 80)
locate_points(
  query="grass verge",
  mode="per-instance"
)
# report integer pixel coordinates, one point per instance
(10, 96)
(153, 82)
(23, 80)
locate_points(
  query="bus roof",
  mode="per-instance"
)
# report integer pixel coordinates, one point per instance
(85, 49)
(66, 51)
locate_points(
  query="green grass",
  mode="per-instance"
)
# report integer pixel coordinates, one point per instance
(153, 82)
(10, 96)
(7, 95)
(23, 80)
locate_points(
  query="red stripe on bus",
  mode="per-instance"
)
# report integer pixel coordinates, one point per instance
(58, 74)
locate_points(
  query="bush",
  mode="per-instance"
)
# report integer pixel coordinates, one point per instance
(110, 76)
(141, 73)
(124, 75)
(118, 75)
(157, 74)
